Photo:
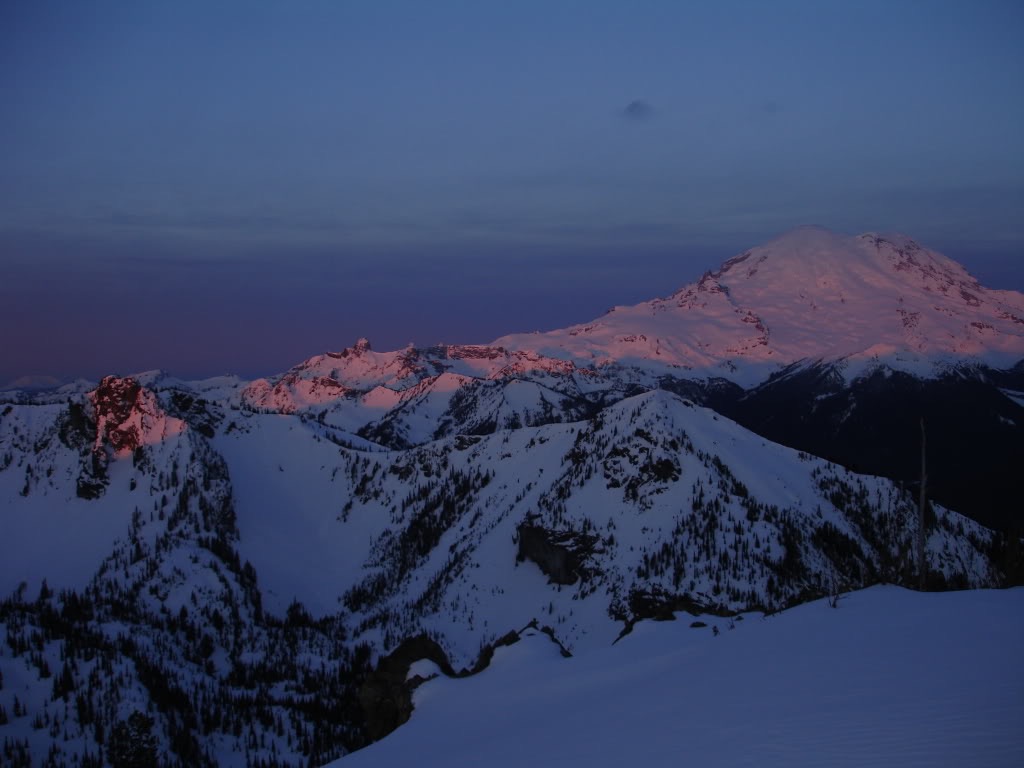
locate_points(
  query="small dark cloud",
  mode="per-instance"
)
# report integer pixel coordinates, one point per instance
(639, 110)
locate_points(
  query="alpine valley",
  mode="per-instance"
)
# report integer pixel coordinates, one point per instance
(240, 573)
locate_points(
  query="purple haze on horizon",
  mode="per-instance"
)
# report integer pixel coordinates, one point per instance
(232, 187)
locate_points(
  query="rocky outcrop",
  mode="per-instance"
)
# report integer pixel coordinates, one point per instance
(114, 401)
(559, 554)
(386, 695)
(128, 416)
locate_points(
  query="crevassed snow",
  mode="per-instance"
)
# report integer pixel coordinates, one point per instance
(890, 677)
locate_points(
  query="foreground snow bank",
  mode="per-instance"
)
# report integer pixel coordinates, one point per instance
(890, 677)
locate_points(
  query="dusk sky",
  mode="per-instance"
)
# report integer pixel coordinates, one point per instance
(212, 187)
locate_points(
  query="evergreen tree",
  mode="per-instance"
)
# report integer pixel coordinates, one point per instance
(132, 744)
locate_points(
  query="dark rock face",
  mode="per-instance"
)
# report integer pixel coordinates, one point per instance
(90, 487)
(76, 429)
(715, 393)
(559, 554)
(872, 425)
(659, 605)
(114, 401)
(200, 414)
(386, 696)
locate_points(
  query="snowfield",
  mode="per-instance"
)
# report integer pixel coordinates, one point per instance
(890, 677)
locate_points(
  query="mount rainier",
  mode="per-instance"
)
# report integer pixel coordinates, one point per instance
(230, 572)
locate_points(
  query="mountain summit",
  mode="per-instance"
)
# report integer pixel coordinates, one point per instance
(257, 568)
(809, 294)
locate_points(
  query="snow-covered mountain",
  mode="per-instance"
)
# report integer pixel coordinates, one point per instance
(808, 295)
(831, 344)
(251, 566)
(230, 565)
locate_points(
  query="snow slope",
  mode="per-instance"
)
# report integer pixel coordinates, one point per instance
(290, 492)
(809, 294)
(49, 530)
(651, 499)
(890, 677)
(658, 495)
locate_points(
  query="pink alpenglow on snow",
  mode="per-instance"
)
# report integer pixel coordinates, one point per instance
(128, 415)
(807, 295)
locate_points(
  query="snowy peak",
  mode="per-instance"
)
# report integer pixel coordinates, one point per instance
(128, 416)
(814, 261)
(452, 493)
(826, 295)
(857, 304)
(357, 371)
(808, 294)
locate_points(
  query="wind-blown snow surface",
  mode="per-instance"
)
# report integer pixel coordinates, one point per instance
(890, 677)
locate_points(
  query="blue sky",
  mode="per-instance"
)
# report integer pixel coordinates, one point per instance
(228, 186)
